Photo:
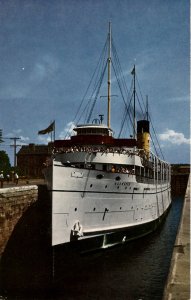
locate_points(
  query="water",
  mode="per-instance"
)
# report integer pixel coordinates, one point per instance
(137, 270)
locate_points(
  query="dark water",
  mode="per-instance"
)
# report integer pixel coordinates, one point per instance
(137, 270)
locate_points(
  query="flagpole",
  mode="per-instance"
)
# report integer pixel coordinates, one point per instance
(54, 131)
(51, 131)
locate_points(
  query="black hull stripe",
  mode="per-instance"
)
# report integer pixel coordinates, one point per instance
(102, 192)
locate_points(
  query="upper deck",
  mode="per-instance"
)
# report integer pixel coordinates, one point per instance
(92, 135)
(93, 129)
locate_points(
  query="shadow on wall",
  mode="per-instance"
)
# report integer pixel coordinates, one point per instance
(26, 263)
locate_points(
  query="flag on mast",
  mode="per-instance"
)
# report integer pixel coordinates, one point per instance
(50, 128)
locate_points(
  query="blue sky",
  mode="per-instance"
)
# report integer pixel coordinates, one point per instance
(49, 50)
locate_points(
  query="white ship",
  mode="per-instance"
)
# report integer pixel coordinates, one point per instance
(106, 190)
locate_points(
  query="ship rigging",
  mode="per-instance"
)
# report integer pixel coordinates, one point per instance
(134, 105)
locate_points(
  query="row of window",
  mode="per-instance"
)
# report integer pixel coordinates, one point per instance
(97, 131)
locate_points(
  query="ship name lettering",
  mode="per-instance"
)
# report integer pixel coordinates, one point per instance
(122, 183)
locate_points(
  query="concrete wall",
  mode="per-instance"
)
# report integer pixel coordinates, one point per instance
(13, 203)
(179, 184)
(178, 281)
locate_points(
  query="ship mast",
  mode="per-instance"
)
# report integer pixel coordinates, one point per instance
(109, 77)
(147, 108)
(134, 109)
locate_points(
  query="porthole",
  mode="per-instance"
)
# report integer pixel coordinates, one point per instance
(99, 176)
(118, 178)
(105, 186)
(75, 209)
(90, 185)
(94, 209)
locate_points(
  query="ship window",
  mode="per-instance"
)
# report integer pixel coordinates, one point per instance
(90, 185)
(75, 209)
(104, 167)
(105, 186)
(118, 178)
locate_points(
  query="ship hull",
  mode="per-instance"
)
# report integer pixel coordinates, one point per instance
(96, 210)
(70, 256)
(121, 236)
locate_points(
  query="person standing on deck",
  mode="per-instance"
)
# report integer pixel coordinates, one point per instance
(16, 178)
(1, 178)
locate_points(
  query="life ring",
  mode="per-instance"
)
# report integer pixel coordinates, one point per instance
(77, 229)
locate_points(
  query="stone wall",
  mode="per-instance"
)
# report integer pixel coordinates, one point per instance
(13, 203)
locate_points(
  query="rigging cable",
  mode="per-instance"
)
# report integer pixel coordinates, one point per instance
(97, 92)
(68, 134)
(98, 81)
(120, 75)
(151, 126)
(127, 111)
(127, 107)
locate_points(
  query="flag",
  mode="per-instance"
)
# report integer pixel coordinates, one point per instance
(50, 128)
(133, 71)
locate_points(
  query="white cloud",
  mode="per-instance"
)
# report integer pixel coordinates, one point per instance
(180, 99)
(44, 139)
(44, 67)
(23, 82)
(174, 137)
(67, 131)
(24, 138)
(17, 133)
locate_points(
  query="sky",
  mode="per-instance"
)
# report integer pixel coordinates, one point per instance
(49, 51)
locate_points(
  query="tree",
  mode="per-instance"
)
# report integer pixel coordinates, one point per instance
(4, 162)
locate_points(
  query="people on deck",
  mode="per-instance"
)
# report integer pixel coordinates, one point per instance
(1, 178)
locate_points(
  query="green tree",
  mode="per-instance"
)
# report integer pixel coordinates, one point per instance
(4, 162)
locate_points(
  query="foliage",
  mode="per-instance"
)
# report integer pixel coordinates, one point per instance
(5, 165)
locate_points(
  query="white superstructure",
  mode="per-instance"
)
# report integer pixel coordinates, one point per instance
(98, 188)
